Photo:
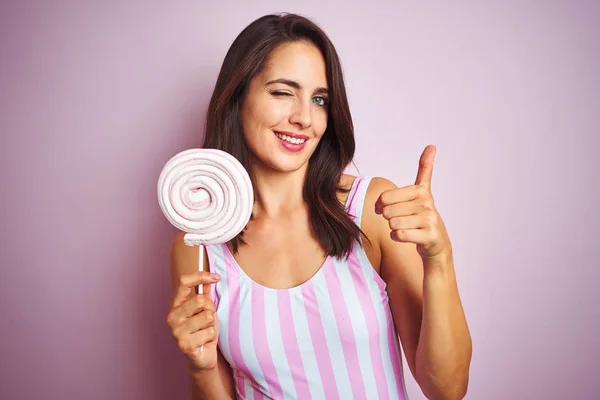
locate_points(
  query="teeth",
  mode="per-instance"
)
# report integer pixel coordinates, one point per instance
(290, 139)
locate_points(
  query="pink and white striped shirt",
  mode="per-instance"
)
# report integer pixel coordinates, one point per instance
(331, 337)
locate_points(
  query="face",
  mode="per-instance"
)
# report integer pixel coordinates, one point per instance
(284, 114)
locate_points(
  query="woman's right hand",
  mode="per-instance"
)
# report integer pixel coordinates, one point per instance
(193, 320)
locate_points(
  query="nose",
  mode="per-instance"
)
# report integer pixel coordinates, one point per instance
(301, 115)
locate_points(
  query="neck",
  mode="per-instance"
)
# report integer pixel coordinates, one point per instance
(277, 193)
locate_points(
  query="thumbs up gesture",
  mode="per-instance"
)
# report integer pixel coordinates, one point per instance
(412, 215)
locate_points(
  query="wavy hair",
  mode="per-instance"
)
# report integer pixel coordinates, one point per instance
(331, 225)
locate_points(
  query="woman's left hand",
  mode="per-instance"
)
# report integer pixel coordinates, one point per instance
(412, 215)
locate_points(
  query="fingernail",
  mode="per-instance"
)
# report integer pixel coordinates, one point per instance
(215, 277)
(377, 211)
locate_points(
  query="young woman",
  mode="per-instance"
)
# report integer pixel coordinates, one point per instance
(310, 300)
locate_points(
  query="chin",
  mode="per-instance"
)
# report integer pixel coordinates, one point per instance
(288, 167)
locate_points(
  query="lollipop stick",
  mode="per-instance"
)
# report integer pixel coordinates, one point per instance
(201, 268)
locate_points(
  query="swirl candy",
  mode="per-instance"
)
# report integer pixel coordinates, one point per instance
(206, 193)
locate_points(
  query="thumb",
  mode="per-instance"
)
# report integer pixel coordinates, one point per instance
(426, 167)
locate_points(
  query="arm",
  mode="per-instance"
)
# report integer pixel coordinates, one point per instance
(217, 382)
(426, 306)
(212, 384)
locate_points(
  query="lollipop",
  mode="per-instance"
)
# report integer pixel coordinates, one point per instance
(206, 193)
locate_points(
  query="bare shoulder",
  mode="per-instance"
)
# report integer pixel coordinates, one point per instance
(346, 181)
(378, 186)
(183, 258)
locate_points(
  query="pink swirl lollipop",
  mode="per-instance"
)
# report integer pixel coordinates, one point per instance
(206, 193)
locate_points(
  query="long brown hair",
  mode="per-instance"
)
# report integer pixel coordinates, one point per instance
(332, 226)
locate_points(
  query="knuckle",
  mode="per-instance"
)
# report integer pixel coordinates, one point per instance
(200, 300)
(176, 331)
(183, 345)
(208, 303)
(427, 205)
(211, 332)
(208, 309)
(431, 219)
(387, 212)
(427, 220)
(183, 280)
(211, 306)
(385, 197)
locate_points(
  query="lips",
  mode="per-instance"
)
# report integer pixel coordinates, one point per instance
(292, 135)
(292, 142)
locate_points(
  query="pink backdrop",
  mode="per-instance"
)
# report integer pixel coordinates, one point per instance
(94, 98)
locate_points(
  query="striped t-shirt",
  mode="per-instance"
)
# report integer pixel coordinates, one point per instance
(332, 337)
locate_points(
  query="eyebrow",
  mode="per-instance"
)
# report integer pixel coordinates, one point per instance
(296, 85)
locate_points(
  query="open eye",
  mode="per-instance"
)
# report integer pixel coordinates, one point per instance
(320, 100)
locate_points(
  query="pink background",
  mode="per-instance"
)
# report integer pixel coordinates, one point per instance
(94, 99)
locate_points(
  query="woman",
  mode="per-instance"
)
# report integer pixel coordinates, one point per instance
(309, 301)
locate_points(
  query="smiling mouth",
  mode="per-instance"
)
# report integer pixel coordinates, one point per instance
(289, 139)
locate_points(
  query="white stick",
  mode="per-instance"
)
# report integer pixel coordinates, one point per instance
(201, 267)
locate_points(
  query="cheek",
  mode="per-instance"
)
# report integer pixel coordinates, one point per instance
(263, 114)
(320, 123)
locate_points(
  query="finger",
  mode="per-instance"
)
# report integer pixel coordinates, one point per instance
(195, 323)
(187, 283)
(426, 167)
(409, 222)
(406, 193)
(191, 344)
(417, 236)
(200, 321)
(195, 305)
(401, 209)
(181, 294)
(190, 307)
